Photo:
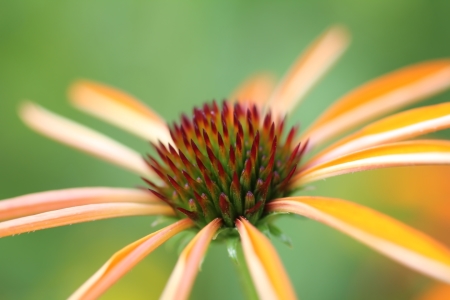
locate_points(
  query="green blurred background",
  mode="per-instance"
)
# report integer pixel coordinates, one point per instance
(173, 55)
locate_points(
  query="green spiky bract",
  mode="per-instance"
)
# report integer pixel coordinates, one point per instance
(225, 162)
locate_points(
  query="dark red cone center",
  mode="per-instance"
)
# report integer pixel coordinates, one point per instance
(225, 163)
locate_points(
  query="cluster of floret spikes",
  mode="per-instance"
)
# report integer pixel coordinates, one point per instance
(225, 163)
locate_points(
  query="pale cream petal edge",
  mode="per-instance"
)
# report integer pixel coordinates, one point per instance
(34, 203)
(82, 138)
(401, 126)
(437, 266)
(78, 214)
(120, 109)
(409, 153)
(182, 278)
(125, 259)
(311, 65)
(266, 269)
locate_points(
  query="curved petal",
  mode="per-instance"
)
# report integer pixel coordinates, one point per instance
(380, 96)
(82, 138)
(401, 126)
(183, 276)
(78, 214)
(35, 203)
(307, 70)
(438, 292)
(410, 153)
(255, 90)
(125, 259)
(380, 232)
(120, 109)
(265, 266)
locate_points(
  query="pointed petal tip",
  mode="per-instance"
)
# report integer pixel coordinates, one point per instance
(76, 88)
(118, 108)
(308, 68)
(80, 137)
(26, 110)
(255, 90)
(341, 32)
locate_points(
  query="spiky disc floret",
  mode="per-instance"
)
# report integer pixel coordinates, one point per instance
(225, 162)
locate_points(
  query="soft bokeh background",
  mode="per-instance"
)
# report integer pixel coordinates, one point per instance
(173, 55)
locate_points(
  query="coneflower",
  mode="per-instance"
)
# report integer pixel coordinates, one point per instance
(225, 169)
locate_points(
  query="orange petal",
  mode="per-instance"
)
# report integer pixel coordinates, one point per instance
(51, 200)
(125, 259)
(307, 70)
(438, 292)
(82, 138)
(183, 276)
(380, 232)
(269, 276)
(80, 214)
(380, 96)
(255, 90)
(410, 153)
(120, 109)
(401, 126)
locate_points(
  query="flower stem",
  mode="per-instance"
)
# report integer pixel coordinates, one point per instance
(244, 277)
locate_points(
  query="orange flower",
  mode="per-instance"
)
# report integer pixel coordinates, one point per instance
(438, 292)
(225, 171)
(423, 191)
